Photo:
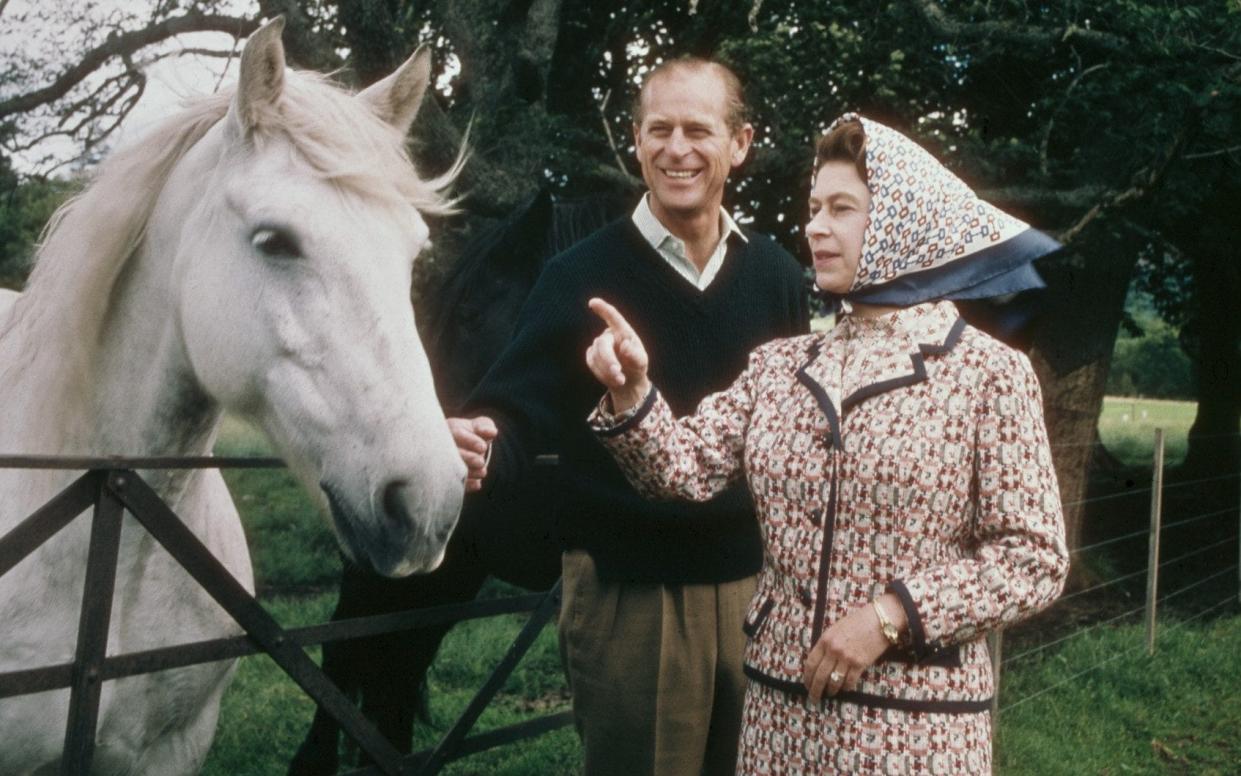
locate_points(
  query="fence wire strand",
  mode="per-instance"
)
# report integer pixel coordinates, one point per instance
(1131, 612)
(1101, 585)
(1146, 531)
(1202, 481)
(1108, 497)
(1230, 540)
(1113, 540)
(1196, 518)
(1118, 655)
(1074, 634)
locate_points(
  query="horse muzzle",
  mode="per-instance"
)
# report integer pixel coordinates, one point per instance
(401, 529)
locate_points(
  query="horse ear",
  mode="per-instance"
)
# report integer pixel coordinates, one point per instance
(262, 74)
(396, 99)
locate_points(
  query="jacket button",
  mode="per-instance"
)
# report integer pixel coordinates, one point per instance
(807, 597)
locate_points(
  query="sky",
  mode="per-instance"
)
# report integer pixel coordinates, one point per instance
(169, 81)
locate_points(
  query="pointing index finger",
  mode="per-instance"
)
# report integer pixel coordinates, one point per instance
(611, 316)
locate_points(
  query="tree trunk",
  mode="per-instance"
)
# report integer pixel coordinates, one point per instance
(1072, 352)
(1214, 445)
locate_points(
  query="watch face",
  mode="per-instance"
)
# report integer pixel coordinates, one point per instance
(889, 633)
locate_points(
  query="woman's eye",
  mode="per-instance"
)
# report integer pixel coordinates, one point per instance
(276, 244)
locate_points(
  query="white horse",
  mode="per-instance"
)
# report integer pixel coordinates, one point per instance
(252, 254)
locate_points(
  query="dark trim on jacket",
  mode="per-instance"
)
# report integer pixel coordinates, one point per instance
(798, 690)
(644, 409)
(916, 630)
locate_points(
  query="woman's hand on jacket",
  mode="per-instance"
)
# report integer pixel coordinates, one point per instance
(845, 649)
(618, 359)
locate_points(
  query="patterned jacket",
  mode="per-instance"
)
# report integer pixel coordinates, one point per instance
(906, 453)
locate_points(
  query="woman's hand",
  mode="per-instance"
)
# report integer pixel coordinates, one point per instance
(847, 648)
(617, 359)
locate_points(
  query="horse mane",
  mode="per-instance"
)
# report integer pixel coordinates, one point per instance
(57, 324)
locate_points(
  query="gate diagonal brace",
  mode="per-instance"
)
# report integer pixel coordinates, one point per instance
(163, 524)
(47, 521)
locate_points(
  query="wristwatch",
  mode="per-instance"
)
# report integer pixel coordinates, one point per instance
(889, 630)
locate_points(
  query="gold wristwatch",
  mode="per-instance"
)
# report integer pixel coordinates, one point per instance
(889, 630)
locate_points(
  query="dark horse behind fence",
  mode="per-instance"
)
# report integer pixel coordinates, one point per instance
(469, 320)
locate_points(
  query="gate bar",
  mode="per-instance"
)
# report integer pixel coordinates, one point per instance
(452, 740)
(220, 584)
(47, 520)
(105, 544)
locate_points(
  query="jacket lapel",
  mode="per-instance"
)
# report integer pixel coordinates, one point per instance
(900, 360)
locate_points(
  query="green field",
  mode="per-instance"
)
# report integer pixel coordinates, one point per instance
(1172, 714)
(1127, 428)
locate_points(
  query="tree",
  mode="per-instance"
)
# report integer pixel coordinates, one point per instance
(1108, 123)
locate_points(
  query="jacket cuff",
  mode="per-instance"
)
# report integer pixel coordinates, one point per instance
(606, 425)
(917, 631)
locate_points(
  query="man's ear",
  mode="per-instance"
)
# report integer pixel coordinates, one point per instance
(742, 139)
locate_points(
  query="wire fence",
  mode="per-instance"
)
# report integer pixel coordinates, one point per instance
(1187, 579)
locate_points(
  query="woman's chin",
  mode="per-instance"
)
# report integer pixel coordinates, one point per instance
(829, 283)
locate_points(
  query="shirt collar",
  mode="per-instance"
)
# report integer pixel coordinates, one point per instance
(654, 232)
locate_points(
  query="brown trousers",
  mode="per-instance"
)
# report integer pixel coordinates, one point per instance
(655, 672)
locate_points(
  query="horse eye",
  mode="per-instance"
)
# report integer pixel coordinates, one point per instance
(276, 243)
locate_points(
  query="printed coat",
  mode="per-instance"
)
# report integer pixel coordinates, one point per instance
(905, 453)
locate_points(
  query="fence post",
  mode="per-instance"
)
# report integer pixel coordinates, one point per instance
(1152, 559)
(995, 645)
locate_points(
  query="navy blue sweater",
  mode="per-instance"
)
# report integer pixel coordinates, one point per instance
(540, 392)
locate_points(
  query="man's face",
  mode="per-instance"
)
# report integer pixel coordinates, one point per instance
(684, 144)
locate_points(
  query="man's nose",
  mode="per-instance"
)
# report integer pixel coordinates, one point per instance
(678, 144)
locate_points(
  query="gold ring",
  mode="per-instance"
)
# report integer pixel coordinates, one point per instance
(836, 677)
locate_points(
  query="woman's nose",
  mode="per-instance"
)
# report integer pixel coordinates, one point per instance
(817, 226)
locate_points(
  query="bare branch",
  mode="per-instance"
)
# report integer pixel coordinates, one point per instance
(1025, 35)
(1145, 182)
(607, 130)
(1051, 120)
(1036, 197)
(124, 44)
(755, 7)
(1216, 152)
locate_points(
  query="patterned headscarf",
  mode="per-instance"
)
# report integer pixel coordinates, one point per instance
(929, 236)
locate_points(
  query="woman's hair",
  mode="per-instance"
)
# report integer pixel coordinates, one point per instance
(845, 143)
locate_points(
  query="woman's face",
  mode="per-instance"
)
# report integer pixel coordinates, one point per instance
(839, 207)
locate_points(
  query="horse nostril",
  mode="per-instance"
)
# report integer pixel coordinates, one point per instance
(394, 504)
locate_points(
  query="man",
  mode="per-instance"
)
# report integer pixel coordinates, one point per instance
(655, 593)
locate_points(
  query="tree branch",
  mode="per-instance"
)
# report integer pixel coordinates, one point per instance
(1036, 197)
(1051, 120)
(125, 44)
(1144, 182)
(1025, 35)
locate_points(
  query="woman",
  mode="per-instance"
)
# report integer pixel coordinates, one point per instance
(899, 464)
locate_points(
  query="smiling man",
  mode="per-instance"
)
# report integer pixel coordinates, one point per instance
(655, 592)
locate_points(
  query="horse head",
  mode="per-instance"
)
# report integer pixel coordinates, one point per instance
(292, 229)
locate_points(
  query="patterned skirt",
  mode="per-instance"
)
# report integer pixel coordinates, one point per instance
(784, 735)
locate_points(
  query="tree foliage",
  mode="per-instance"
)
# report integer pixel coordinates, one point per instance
(1111, 123)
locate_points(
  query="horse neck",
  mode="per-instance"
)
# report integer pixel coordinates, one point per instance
(146, 400)
(127, 392)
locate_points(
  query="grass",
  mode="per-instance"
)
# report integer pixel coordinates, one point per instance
(265, 715)
(1172, 714)
(1127, 428)
(291, 545)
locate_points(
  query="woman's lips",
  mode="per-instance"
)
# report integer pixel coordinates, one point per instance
(825, 257)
